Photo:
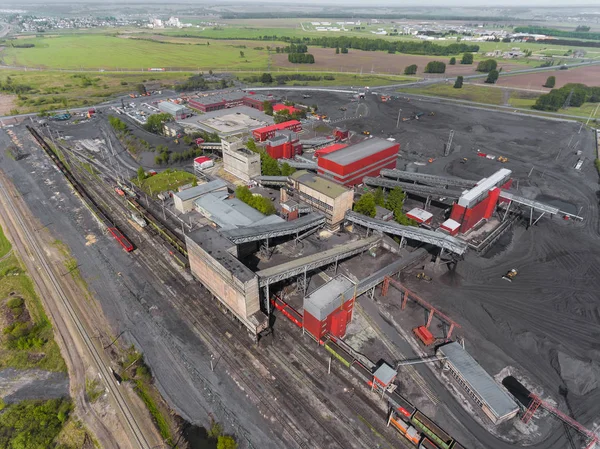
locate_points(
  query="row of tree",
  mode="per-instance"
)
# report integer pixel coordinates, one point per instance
(301, 58)
(393, 201)
(258, 202)
(556, 98)
(579, 33)
(295, 48)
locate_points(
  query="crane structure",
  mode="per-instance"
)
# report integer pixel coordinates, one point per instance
(537, 402)
(449, 144)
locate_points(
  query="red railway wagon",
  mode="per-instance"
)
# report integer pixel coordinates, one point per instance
(119, 237)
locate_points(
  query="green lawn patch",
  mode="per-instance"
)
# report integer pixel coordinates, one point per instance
(469, 92)
(164, 181)
(5, 245)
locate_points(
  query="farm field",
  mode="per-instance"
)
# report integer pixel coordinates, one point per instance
(589, 76)
(107, 52)
(378, 62)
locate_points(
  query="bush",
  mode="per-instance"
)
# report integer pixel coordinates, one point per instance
(487, 66)
(550, 82)
(492, 77)
(435, 67)
(467, 58)
(452, 60)
(14, 302)
(459, 82)
(117, 123)
(411, 69)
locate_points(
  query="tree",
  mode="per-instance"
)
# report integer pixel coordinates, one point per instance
(116, 123)
(141, 89)
(269, 166)
(344, 50)
(366, 205)
(395, 199)
(287, 169)
(226, 442)
(550, 82)
(141, 174)
(251, 145)
(266, 78)
(241, 54)
(487, 65)
(154, 123)
(467, 58)
(411, 69)
(379, 197)
(452, 60)
(459, 82)
(492, 77)
(267, 107)
(337, 50)
(435, 67)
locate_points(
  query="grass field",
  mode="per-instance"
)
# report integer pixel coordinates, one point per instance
(470, 92)
(27, 339)
(5, 245)
(166, 180)
(115, 53)
(340, 79)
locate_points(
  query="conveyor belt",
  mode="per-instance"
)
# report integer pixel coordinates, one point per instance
(254, 233)
(412, 188)
(432, 180)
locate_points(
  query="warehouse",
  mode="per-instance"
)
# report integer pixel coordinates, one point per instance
(184, 200)
(176, 110)
(329, 149)
(349, 165)
(329, 308)
(211, 103)
(267, 132)
(225, 123)
(284, 145)
(332, 199)
(495, 402)
(213, 263)
(238, 160)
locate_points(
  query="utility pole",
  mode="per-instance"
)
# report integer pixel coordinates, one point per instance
(398, 121)
(449, 144)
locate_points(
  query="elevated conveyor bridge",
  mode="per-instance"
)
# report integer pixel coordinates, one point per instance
(255, 233)
(423, 178)
(416, 189)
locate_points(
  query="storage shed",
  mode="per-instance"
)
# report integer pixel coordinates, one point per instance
(420, 216)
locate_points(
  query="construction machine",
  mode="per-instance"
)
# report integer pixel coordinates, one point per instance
(366, 133)
(431, 114)
(423, 277)
(464, 160)
(510, 275)
(502, 159)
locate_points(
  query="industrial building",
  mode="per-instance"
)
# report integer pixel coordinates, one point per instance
(211, 103)
(349, 165)
(267, 132)
(420, 216)
(284, 145)
(329, 149)
(329, 308)
(332, 199)
(238, 160)
(184, 200)
(495, 402)
(282, 107)
(480, 202)
(341, 133)
(227, 122)
(176, 110)
(213, 263)
(450, 226)
(231, 213)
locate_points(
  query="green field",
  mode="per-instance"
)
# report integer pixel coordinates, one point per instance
(114, 53)
(4, 244)
(166, 180)
(469, 92)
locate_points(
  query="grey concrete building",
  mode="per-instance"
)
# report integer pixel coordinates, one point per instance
(238, 160)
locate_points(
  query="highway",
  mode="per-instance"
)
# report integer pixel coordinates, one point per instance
(137, 436)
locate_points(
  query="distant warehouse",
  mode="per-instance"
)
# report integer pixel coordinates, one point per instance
(211, 103)
(350, 164)
(176, 110)
(262, 134)
(495, 402)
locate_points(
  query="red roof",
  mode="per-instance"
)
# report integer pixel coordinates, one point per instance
(201, 159)
(330, 149)
(278, 126)
(282, 107)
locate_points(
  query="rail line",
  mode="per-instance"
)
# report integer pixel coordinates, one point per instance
(139, 437)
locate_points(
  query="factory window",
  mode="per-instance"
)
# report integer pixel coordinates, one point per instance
(318, 203)
(463, 384)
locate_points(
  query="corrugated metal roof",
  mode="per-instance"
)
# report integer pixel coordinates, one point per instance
(451, 224)
(321, 185)
(277, 126)
(469, 197)
(200, 190)
(358, 151)
(171, 108)
(228, 214)
(478, 380)
(385, 374)
(419, 214)
(324, 300)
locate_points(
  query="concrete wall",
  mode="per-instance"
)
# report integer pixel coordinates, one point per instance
(244, 166)
(334, 209)
(242, 298)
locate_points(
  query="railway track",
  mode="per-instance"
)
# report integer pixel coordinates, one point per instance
(139, 439)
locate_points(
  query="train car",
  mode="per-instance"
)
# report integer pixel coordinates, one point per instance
(362, 371)
(408, 431)
(401, 405)
(427, 444)
(119, 237)
(432, 431)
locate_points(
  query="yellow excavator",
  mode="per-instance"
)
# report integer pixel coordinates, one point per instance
(423, 277)
(510, 275)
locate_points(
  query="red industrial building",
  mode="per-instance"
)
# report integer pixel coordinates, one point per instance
(282, 107)
(349, 165)
(479, 203)
(420, 216)
(330, 149)
(341, 134)
(284, 145)
(450, 226)
(211, 103)
(329, 308)
(262, 134)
